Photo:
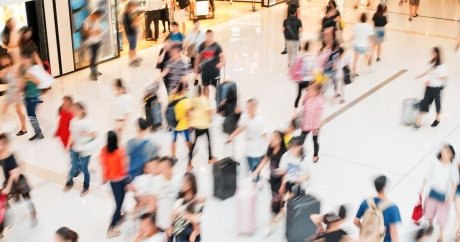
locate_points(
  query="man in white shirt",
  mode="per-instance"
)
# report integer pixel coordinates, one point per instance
(92, 34)
(256, 141)
(152, 14)
(148, 231)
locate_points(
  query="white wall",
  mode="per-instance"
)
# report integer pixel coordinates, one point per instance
(65, 36)
(51, 37)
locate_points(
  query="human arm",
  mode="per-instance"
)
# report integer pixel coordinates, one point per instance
(221, 61)
(318, 221)
(14, 176)
(261, 165)
(394, 232)
(235, 133)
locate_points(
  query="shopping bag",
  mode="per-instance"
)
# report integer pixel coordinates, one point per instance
(417, 213)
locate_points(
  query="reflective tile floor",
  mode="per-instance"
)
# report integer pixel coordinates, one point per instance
(365, 139)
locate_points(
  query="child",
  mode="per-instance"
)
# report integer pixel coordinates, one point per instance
(65, 115)
(175, 35)
(342, 72)
(143, 185)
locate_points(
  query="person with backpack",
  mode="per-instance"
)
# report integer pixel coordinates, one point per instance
(140, 150)
(200, 120)
(93, 31)
(441, 180)
(256, 140)
(303, 70)
(333, 231)
(177, 114)
(373, 211)
(292, 26)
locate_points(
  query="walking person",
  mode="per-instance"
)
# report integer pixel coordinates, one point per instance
(175, 71)
(65, 234)
(81, 146)
(15, 183)
(140, 149)
(31, 92)
(153, 10)
(114, 169)
(65, 116)
(210, 60)
(10, 39)
(200, 120)
(413, 8)
(131, 27)
(342, 71)
(9, 72)
(175, 35)
(308, 67)
(380, 21)
(192, 44)
(256, 140)
(182, 115)
(313, 106)
(26, 43)
(275, 151)
(121, 106)
(441, 180)
(292, 26)
(436, 80)
(93, 32)
(391, 215)
(165, 15)
(362, 40)
(180, 13)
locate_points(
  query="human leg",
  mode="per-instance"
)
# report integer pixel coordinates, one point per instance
(74, 167)
(148, 22)
(31, 107)
(31, 207)
(301, 86)
(118, 189)
(84, 161)
(20, 113)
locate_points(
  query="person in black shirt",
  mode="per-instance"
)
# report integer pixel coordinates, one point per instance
(332, 232)
(209, 61)
(380, 20)
(131, 27)
(15, 183)
(292, 26)
(27, 44)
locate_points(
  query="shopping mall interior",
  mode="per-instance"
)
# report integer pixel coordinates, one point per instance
(360, 139)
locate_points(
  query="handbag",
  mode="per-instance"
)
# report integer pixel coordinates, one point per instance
(417, 213)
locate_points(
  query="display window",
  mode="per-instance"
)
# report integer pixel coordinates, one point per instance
(17, 10)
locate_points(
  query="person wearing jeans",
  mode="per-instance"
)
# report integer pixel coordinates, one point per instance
(81, 145)
(114, 169)
(93, 32)
(313, 107)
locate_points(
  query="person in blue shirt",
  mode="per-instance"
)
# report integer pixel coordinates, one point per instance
(175, 36)
(391, 214)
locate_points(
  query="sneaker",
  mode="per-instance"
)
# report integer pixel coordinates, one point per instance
(416, 15)
(112, 233)
(37, 136)
(378, 59)
(98, 73)
(21, 132)
(84, 192)
(67, 187)
(195, 83)
(435, 123)
(284, 52)
(410, 19)
(93, 77)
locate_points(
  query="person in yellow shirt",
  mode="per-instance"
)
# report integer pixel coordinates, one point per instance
(182, 112)
(200, 120)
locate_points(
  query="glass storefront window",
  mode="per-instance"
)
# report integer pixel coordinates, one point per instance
(80, 10)
(17, 10)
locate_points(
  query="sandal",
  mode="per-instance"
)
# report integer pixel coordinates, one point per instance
(21, 132)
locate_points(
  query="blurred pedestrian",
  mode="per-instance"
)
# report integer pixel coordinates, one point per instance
(413, 8)
(10, 39)
(380, 21)
(210, 60)
(93, 32)
(131, 27)
(152, 14)
(65, 234)
(115, 170)
(121, 106)
(292, 26)
(362, 40)
(65, 116)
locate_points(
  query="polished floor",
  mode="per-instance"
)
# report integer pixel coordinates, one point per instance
(359, 141)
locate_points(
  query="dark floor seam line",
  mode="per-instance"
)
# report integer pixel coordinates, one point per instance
(426, 156)
(363, 96)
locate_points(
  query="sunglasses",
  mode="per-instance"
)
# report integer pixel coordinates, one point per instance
(5, 66)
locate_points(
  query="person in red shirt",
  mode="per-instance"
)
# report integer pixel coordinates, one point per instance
(114, 169)
(65, 115)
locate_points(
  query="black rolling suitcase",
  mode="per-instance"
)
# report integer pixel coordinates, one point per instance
(225, 172)
(299, 227)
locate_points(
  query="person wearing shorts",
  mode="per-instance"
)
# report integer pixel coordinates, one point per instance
(180, 14)
(380, 21)
(413, 8)
(181, 111)
(210, 60)
(131, 27)
(362, 33)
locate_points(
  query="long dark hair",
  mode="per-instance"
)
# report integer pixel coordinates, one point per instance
(436, 61)
(112, 141)
(193, 186)
(6, 33)
(67, 234)
(282, 144)
(452, 151)
(380, 10)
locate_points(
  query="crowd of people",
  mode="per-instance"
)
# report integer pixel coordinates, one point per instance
(168, 207)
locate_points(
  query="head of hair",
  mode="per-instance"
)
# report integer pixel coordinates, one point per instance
(180, 87)
(6, 55)
(252, 101)
(297, 141)
(341, 50)
(68, 98)
(342, 212)
(363, 18)
(436, 61)
(209, 31)
(191, 179)
(380, 183)
(332, 3)
(199, 89)
(281, 136)
(169, 160)
(380, 9)
(130, 4)
(196, 21)
(28, 52)
(151, 217)
(176, 46)
(119, 84)
(4, 137)
(142, 124)
(25, 29)
(306, 46)
(67, 234)
(7, 31)
(174, 23)
(82, 107)
(112, 141)
(292, 9)
(451, 150)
